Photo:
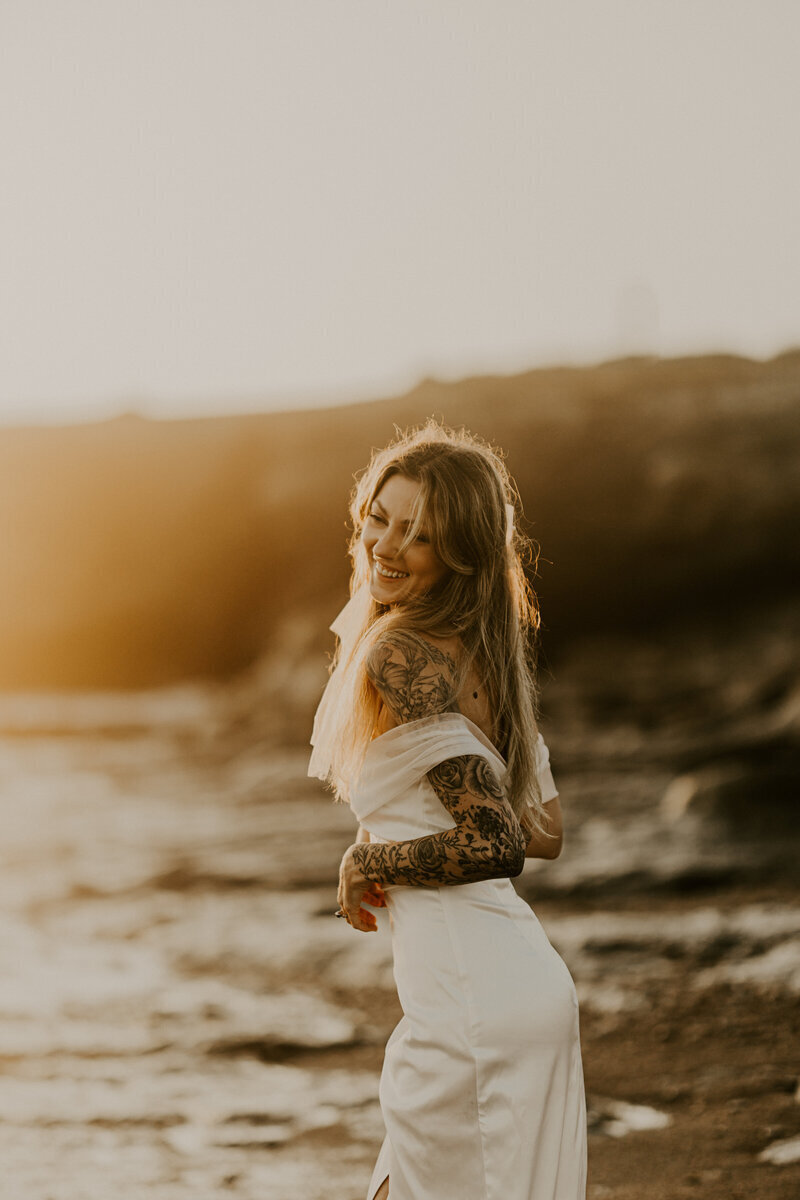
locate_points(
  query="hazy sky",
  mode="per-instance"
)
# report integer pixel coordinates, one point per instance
(227, 205)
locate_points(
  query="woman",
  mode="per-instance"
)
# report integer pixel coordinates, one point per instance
(428, 729)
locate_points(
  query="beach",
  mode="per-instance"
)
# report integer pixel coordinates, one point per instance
(180, 1013)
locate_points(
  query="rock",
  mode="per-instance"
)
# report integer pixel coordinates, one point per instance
(787, 1150)
(748, 798)
(618, 1118)
(778, 966)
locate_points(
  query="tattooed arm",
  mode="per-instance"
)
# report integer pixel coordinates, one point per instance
(414, 679)
(486, 843)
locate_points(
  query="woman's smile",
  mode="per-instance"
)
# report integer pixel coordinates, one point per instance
(387, 572)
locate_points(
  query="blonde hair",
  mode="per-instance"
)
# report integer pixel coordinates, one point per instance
(485, 599)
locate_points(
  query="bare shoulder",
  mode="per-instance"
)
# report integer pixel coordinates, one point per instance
(412, 673)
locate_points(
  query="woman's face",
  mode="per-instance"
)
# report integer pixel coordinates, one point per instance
(393, 576)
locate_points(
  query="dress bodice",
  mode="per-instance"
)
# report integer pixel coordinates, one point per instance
(392, 797)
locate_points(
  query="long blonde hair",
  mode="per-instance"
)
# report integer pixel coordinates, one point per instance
(485, 599)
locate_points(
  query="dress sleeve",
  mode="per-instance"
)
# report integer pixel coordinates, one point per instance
(543, 771)
(400, 757)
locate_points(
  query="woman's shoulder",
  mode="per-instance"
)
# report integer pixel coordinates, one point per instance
(409, 642)
(413, 674)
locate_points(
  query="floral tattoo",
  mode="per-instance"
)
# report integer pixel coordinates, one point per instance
(413, 677)
(486, 843)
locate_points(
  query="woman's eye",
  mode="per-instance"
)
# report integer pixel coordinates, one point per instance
(376, 517)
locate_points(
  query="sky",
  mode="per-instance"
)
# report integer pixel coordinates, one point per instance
(212, 206)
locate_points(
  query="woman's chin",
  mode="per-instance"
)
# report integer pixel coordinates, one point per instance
(387, 593)
(382, 594)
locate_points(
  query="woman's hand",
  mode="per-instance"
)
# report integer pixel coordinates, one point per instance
(355, 890)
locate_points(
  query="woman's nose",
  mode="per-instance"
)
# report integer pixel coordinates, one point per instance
(386, 544)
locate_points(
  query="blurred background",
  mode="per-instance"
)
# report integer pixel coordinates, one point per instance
(241, 244)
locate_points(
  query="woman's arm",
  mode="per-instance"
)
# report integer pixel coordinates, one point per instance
(486, 843)
(413, 679)
(542, 846)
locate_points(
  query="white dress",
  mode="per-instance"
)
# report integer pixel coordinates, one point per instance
(482, 1090)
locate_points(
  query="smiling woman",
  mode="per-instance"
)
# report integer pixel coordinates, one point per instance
(428, 730)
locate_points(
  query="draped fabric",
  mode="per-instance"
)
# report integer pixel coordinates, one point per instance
(396, 760)
(346, 626)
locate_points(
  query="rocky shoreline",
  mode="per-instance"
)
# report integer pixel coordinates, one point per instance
(180, 1014)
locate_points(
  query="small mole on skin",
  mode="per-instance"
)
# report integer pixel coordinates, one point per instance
(474, 695)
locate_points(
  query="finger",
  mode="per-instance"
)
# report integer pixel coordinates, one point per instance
(368, 919)
(362, 898)
(362, 920)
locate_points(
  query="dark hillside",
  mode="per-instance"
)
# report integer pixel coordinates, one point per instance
(139, 552)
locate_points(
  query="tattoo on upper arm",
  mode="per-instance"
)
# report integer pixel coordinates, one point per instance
(413, 677)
